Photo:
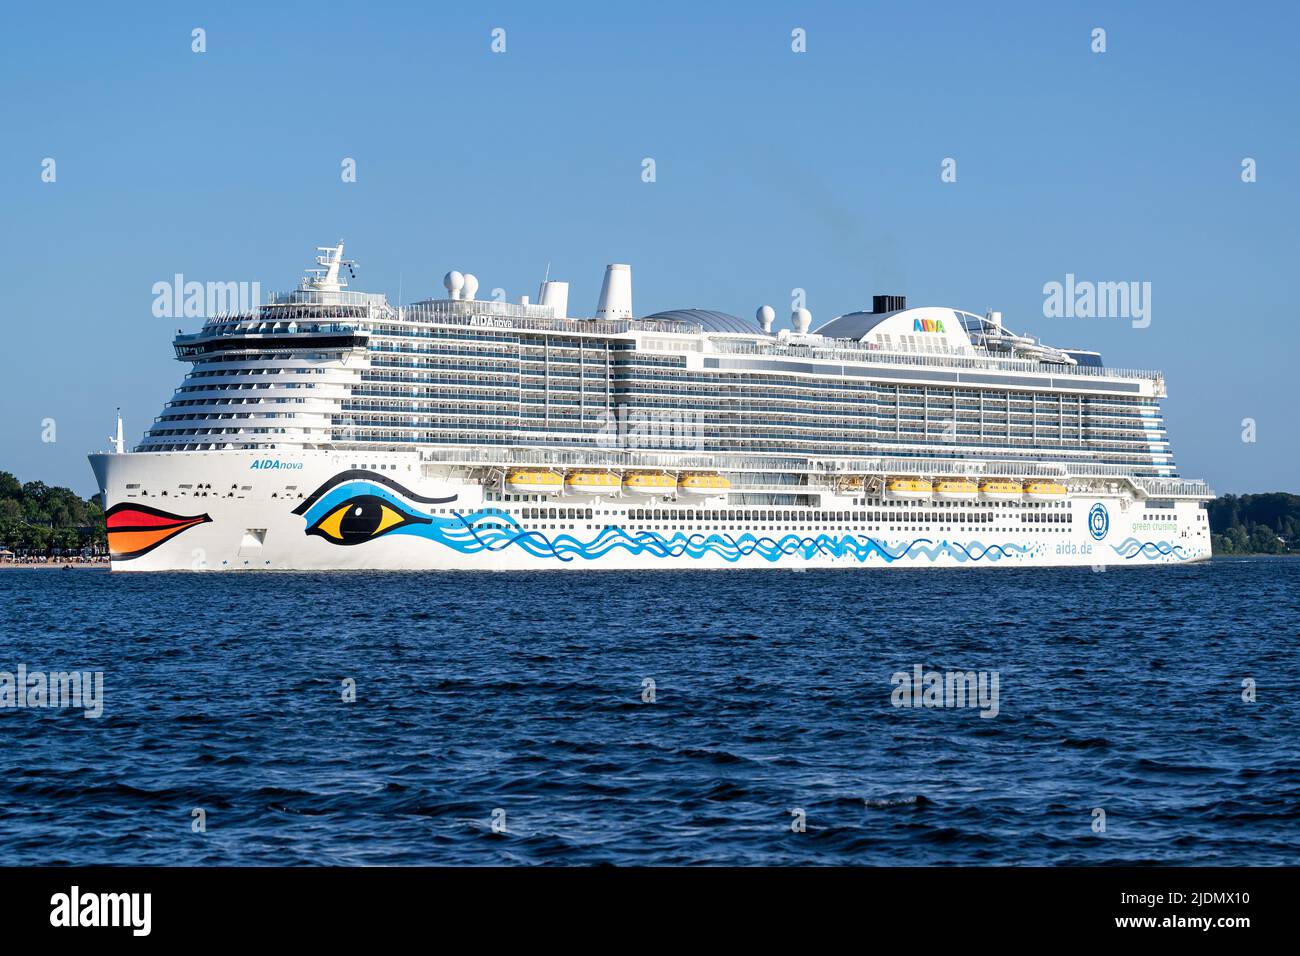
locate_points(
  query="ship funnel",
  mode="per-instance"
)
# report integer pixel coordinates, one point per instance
(766, 315)
(994, 319)
(802, 320)
(556, 295)
(615, 293)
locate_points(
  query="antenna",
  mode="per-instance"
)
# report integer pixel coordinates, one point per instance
(119, 445)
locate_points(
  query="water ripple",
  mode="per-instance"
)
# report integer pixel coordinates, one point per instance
(673, 718)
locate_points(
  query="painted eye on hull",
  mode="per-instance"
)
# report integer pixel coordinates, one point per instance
(361, 519)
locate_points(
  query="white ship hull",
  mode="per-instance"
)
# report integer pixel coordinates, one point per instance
(338, 510)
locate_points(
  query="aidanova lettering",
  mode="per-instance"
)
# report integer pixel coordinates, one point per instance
(271, 464)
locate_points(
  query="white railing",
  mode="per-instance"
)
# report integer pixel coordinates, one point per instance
(846, 350)
(1174, 487)
(501, 455)
(316, 297)
(537, 318)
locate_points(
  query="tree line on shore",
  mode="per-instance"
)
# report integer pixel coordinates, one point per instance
(1255, 524)
(37, 519)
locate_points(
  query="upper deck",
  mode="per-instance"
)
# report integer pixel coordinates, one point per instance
(308, 316)
(461, 378)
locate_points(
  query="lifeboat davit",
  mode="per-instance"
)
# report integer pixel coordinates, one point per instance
(908, 488)
(592, 483)
(534, 481)
(955, 489)
(1044, 491)
(1001, 489)
(652, 483)
(704, 486)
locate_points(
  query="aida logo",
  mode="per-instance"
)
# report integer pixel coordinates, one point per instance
(1098, 521)
(927, 325)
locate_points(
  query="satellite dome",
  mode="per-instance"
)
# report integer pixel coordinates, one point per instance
(471, 285)
(453, 281)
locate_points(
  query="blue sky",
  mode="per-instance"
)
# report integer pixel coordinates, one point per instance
(775, 170)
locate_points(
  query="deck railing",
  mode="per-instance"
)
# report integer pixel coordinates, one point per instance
(845, 350)
(596, 457)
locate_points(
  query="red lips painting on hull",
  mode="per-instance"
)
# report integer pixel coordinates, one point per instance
(134, 529)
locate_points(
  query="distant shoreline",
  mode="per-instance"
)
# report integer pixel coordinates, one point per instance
(1255, 554)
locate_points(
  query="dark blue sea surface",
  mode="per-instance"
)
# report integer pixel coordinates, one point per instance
(522, 694)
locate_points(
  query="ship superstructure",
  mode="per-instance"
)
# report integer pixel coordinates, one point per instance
(328, 428)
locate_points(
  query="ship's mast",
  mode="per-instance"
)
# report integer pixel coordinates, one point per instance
(119, 443)
(325, 278)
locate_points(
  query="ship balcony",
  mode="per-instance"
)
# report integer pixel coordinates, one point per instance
(190, 346)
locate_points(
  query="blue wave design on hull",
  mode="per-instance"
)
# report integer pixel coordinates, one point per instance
(488, 531)
(1130, 548)
(482, 531)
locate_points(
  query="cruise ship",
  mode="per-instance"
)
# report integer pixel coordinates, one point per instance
(329, 429)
